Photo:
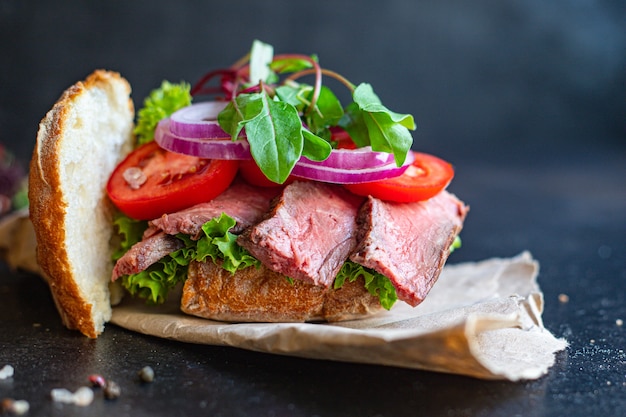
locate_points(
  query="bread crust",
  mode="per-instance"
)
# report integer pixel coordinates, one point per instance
(48, 204)
(261, 295)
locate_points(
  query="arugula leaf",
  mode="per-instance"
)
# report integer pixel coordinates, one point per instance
(161, 103)
(375, 283)
(290, 94)
(315, 148)
(284, 122)
(273, 129)
(291, 64)
(371, 123)
(327, 111)
(352, 121)
(238, 112)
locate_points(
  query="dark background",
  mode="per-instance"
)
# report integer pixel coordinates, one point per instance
(526, 98)
(510, 74)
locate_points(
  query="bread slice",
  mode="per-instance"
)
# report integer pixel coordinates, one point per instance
(79, 143)
(261, 295)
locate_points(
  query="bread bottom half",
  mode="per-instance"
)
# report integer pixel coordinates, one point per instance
(262, 295)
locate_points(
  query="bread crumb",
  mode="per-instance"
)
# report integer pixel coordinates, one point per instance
(6, 372)
(563, 298)
(14, 407)
(82, 397)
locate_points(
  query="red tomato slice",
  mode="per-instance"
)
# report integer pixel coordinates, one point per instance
(166, 182)
(343, 139)
(425, 178)
(250, 171)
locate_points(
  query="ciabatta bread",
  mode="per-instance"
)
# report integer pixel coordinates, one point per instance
(79, 143)
(261, 295)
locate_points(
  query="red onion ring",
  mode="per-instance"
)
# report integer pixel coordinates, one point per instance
(317, 172)
(199, 120)
(359, 158)
(210, 148)
(194, 130)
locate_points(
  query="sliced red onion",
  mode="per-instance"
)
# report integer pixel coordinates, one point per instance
(359, 158)
(316, 171)
(199, 120)
(210, 148)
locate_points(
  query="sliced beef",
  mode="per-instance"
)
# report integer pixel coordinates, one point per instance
(145, 253)
(244, 203)
(308, 234)
(409, 242)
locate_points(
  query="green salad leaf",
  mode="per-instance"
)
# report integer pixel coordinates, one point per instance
(284, 121)
(161, 103)
(456, 244)
(376, 284)
(274, 131)
(130, 231)
(217, 243)
(370, 123)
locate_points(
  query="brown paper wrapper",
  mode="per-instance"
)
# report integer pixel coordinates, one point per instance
(481, 319)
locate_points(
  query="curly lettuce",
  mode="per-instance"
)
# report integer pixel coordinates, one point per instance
(216, 243)
(161, 103)
(376, 284)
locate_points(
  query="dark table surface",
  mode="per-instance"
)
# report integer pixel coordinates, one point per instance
(569, 212)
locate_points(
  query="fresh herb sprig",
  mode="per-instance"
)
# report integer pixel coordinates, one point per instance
(285, 120)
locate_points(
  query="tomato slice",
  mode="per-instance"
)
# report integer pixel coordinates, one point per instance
(151, 181)
(342, 138)
(425, 178)
(251, 173)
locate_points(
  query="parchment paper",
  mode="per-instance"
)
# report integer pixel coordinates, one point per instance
(481, 319)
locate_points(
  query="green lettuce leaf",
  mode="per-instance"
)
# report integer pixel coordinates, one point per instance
(376, 284)
(129, 231)
(161, 103)
(456, 244)
(217, 243)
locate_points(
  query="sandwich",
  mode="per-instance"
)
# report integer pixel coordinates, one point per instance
(269, 202)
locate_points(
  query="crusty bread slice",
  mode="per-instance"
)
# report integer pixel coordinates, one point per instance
(79, 143)
(262, 295)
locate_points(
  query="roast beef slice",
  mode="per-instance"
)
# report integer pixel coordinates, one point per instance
(408, 242)
(244, 203)
(308, 234)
